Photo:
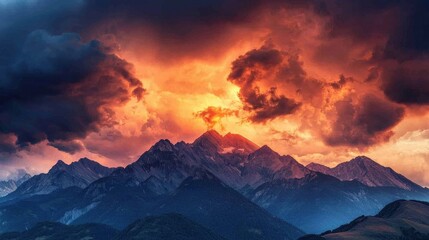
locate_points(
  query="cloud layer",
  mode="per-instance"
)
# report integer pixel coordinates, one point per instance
(59, 88)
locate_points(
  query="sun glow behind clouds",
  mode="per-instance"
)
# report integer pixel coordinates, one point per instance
(324, 62)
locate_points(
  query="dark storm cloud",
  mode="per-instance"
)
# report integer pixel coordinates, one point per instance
(183, 28)
(255, 68)
(268, 105)
(363, 123)
(58, 88)
(405, 59)
(400, 61)
(407, 83)
(71, 147)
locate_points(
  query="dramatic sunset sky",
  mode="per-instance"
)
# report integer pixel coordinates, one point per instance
(323, 81)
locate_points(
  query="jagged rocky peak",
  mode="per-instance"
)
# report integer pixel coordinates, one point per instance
(240, 142)
(209, 139)
(86, 160)
(371, 173)
(364, 160)
(163, 145)
(360, 162)
(264, 157)
(288, 158)
(230, 143)
(264, 151)
(59, 166)
(317, 167)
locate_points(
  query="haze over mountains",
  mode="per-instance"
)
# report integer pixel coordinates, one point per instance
(226, 184)
(60, 176)
(10, 185)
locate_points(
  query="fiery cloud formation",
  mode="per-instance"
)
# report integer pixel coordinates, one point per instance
(264, 64)
(213, 115)
(323, 80)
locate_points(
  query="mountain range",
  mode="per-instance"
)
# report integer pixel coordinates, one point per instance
(226, 184)
(61, 176)
(10, 185)
(368, 172)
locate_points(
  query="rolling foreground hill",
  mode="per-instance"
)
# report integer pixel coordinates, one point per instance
(56, 231)
(399, 220)
(169, 226)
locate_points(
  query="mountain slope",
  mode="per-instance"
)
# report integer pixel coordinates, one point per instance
(202, 197)
(205, 199)
(368, 172)
(320, 202)
(407, 220)
(55, 231)
(316, 167)
(8, 186)
(60, 176)
(168, 226)
(264, 165)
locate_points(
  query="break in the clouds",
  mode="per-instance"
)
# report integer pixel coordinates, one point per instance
(59, 88)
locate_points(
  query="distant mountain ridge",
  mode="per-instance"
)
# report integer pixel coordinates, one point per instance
(318, 202)
(77, 174)
(10, 185)
(368, 172)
